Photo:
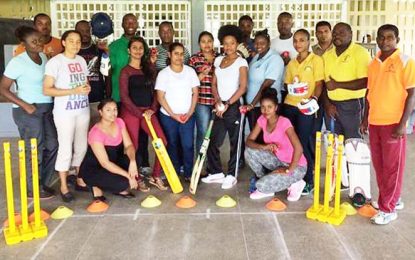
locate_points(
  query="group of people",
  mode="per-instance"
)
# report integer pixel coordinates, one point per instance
(65, 102)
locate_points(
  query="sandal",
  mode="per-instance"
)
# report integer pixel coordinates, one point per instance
(156, 181)
(142, 186)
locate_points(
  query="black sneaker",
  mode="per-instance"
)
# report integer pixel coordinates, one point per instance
(43, 195)
(308, 189)
(48, 189)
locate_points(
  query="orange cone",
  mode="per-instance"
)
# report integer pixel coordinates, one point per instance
(275, 205)
(43, 216)
(185, 203)
(97, 206)
(17, 220)
(367, 211)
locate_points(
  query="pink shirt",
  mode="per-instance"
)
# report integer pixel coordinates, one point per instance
(278, 136)
(96, 135)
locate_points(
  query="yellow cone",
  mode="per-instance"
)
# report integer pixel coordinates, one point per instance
(150, 202)
(62, 212)
(348, 208)
(226, 202)
(185, 202)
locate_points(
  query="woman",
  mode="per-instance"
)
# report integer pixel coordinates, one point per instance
(308, 69)
(281, 154)
(265, 70)
(66, 80)
(202, 63)
(177, 92)
(138, 98)
(32, 111)
(228, 85)
(109, 163)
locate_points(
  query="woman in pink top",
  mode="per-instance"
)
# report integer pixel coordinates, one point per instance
(110, 160)
(282, 153)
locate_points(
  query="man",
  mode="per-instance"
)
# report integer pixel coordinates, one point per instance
(324, 38)
(390, 101)
(324, 43)
(284, 44)
(92, 55)
(119, 58)
(345, 69)
(166, 34)
(52, 46)
(246, 24)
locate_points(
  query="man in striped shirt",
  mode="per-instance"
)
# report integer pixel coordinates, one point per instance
(166, 34)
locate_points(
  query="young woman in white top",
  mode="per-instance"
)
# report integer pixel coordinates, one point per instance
(66, 80)
(228, 85)
(177, 92)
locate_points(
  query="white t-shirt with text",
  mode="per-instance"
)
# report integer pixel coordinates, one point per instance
(68, 74)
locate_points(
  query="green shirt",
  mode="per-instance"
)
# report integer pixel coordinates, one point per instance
(119, 59)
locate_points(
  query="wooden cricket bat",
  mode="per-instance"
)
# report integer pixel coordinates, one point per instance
(164, 159)
(197, 168)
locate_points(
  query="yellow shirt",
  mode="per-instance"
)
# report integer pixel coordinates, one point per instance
(310, 70)
(388, 82)
(352, 64)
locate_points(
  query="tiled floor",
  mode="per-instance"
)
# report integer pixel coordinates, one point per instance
(248, 231)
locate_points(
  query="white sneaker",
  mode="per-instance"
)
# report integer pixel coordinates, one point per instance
(295, 190)
(383, 218)
(399, 204)
(257, 195)
(229, 182)
(214, 178)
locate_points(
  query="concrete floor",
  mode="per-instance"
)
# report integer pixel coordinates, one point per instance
(248, 231)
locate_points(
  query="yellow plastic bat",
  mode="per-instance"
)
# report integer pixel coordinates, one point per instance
(164, 159)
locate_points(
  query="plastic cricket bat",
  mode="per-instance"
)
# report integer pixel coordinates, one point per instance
(201, 157)
(164, 159)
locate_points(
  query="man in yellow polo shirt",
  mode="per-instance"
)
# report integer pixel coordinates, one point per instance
(390, 101)
(345, 69)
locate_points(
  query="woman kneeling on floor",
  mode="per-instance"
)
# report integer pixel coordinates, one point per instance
(110, 160)
(281, 155)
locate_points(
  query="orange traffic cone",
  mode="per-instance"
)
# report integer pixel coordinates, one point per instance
(185, 202)
(43, 216)
(17, 220)
(275, 205)
(97, 206)
(367, 211)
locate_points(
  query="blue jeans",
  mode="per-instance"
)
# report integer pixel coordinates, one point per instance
(303, 126)
(202, 114)
(179, 136)
(38, 125)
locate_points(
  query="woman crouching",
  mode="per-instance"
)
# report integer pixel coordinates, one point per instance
(110, 160)
(282, 153)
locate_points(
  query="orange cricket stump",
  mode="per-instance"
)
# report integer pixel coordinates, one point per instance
(97, 206)
(367, 211)
(275, 205)
(314, 210)
(185, 202)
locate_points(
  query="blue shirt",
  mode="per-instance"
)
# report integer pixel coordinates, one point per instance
(271, 67)
(28, 76)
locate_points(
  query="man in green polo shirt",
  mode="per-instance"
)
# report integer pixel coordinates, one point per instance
(119, 52)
